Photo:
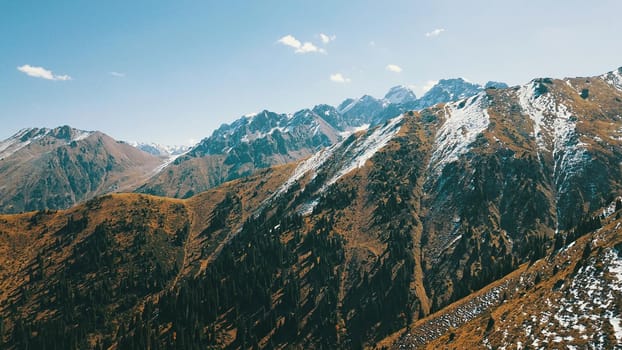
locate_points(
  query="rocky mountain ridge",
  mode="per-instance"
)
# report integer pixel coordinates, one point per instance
(251, 142)
(26, 136)
(264, 139)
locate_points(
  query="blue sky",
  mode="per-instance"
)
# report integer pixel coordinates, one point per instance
(173, 71)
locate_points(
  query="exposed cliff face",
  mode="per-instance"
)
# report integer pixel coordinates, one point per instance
(57, 168)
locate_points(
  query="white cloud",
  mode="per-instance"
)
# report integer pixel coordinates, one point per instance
(117, 74)
(40, 72)
(289, 40)
(393, 68)
(327, 38)
(436, 32)
(299, 47)
(372, 43)
(339, 78)
(309, 47)
(428, 85)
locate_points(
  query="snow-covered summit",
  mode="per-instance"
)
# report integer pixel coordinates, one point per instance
(159, 150)
(614, 78)
(26, 136)
(400, 94)
(495, 85)
(448, 90)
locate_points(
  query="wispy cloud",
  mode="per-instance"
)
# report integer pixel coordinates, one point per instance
(299, 47)
(117, 74)
(40, 72)
(393, 68)
(339, 78)
(436, 32)
(327, 38)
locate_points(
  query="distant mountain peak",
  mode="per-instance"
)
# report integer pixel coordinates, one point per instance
(26, 136)
(495, 85)
(160, 150)
(56, 168)
(400, 94)
(449, 90)
(346, 105)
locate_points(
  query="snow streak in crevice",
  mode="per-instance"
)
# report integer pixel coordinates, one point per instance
(364, 148)
(466, 120)
(555, 132)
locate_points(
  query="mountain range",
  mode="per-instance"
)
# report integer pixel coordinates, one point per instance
(266, 139)
(252, 142)
(491, 221)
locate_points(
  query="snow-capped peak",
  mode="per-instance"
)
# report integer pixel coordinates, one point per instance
(447, 90)
(157, 149)
(614, 78)
(26, 136)
(346, 105)
(400, 94)
(465, 121)
(495, 85)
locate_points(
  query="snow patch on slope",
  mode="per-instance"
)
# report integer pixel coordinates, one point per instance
(81, 135)
(260, 135)
(613, 78)
(312, 163)
(588, 302)
(555, 131)
(164, 164)
(611, 208)
(363, 149)
(615, 268)
(14, 143)
(26, 136)
(357, 153)
(466, 119)
(526, 99)
(168, 162)
(353, 130)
